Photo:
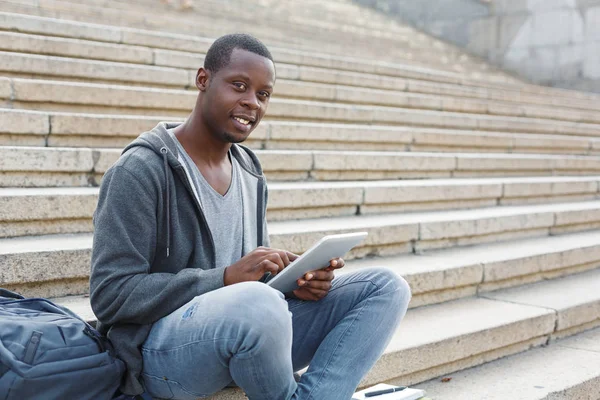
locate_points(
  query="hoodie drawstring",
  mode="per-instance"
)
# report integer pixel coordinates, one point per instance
(164, 151)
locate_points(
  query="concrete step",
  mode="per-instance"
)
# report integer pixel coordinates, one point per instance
(60, 166)
(319, 17)
(35, 55)
(566, 369)
(438, 276)
(435, 277)
(44, 211)
(93, 50)
(429, 342)
(74, 69)
(27, 259)
(32, 65)
(55, 129)
(290, 20)
(117, 99)
(450, 61)
(192, 44)
(210, 26)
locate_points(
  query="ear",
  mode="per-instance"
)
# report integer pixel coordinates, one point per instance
(202, 79)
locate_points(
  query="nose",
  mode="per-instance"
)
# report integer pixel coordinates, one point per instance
(251, 101)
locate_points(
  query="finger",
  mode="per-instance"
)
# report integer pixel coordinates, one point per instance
(320, 275)
(317, 285)
(276, 259)
(284, 257)
(301, 282)
(269, 266)
(336, 263)
(292, 256)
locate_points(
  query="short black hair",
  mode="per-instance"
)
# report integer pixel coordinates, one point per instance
(219, 53)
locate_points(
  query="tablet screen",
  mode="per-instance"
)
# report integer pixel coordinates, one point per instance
(317, 257)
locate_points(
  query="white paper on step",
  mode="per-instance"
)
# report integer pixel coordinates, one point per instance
(406, 394)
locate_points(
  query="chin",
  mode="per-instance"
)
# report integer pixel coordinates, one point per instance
(231, 138)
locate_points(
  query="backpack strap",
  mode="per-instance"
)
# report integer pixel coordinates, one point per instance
(11, 295)
(3, 369)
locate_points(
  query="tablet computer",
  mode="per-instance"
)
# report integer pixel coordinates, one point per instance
(317, 257)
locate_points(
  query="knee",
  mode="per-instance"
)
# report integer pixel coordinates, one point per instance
(261, 309)
(388, 282)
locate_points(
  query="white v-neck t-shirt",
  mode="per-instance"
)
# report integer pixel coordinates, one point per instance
(223, 213)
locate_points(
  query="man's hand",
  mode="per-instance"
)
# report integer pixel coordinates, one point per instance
(315, 285)
(253, 265)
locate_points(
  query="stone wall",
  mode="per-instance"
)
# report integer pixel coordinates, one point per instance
(553, 42)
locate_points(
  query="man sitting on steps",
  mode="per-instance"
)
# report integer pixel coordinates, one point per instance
(180, 247)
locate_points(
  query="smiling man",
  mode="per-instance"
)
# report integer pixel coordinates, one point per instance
(181, 249)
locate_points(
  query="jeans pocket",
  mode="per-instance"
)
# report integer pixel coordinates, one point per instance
(157, 387)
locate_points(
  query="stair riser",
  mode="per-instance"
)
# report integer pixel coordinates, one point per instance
(48, 66)
(32, 266)
(56, 95)
(63, 213)
(22, 166)
(81, 130)
(52, 46)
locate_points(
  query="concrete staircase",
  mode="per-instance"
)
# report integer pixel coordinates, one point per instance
(481, 190)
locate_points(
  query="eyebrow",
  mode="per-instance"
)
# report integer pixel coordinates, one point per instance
(240, 75)
(247, 77)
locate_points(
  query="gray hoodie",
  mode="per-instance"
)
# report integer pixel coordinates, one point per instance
(153, 251)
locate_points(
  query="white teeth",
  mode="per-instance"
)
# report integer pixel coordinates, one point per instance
(241, 120)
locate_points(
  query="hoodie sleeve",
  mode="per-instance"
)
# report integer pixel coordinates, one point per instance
(121, 288)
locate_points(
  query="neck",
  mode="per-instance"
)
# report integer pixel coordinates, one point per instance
(201, 146)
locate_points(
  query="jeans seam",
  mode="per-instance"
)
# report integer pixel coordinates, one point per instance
(256, 378)
(317, 383)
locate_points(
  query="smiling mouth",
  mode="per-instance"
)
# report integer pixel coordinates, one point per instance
(242, 121)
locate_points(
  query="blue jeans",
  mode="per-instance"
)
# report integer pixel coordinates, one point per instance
(249, 334)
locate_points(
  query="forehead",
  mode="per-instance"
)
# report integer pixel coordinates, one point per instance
(255, 67)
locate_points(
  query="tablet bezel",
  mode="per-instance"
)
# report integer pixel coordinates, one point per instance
(329, 247)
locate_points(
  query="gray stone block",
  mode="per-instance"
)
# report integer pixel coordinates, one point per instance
(592, 23)
(6, 91)
(514, 31)
(591, 62)
(535, 366)
(24, 122)
(67, 47)
(570, 62)
(60, 28)
(509, 6)
(91, 70)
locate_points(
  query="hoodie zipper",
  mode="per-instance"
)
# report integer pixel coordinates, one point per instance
(164, 152)
(200, 209)
(260, 205)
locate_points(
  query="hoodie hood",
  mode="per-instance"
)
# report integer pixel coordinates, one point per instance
(159, 141)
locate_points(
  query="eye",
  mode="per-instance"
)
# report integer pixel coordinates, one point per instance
(264, 94)
(240, 85)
